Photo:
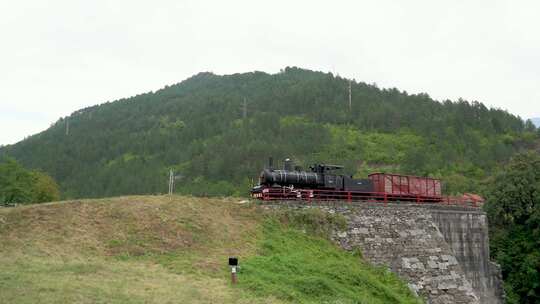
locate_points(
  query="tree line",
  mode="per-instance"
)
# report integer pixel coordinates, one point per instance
(513, 208)
(197, 128)
(21, 186)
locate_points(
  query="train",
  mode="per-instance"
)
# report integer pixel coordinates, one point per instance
(323, 182)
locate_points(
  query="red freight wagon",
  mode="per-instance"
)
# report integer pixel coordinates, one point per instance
(406, 185)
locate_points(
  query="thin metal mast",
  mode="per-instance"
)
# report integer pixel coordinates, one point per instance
(244, 113)
(350, 97)
(171, 182)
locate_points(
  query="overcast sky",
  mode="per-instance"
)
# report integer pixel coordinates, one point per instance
(58, 56)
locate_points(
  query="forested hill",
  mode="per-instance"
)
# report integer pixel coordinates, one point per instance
(197, 128)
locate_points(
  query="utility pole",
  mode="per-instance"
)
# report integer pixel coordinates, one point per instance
(350, 97)
(67, 126)
(171, 182)
(244, 111)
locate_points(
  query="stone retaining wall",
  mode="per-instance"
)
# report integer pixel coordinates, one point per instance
(448, 265)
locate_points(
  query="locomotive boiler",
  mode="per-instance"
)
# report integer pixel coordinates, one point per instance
(320, 176)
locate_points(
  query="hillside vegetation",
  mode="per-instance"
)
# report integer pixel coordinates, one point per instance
(197, 128)
(157, 249)
(513, 208)
(21, 186)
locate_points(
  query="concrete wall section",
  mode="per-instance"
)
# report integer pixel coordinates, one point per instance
(466, 231)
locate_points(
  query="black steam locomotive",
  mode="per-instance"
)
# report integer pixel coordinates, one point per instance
(320, 177)
(321, 183)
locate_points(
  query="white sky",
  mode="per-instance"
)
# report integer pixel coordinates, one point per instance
(58, 56)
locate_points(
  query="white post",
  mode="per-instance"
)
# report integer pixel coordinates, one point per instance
(234, 278)
(350, 97)
(171, 182)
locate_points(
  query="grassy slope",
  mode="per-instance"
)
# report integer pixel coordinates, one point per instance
(144, 249)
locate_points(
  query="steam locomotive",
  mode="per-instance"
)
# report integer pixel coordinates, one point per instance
(320, 176)
(321, 182)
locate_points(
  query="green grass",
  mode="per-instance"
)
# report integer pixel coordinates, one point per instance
(98, 280)
(296, 266)
(156, 249)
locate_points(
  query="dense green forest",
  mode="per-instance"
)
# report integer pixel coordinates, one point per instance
(21, 186)
(198, 128)
(513, 208)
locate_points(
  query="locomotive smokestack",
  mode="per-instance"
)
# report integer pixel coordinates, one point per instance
(270, 163)
(288, 165)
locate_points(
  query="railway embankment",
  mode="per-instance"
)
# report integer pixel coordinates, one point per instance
(441, 251)
(175, 249)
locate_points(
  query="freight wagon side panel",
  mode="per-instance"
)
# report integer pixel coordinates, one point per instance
(418, 186)
(406, 185)
(396, 184)
(378, 184)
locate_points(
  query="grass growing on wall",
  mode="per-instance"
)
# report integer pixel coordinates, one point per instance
(295, 265)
